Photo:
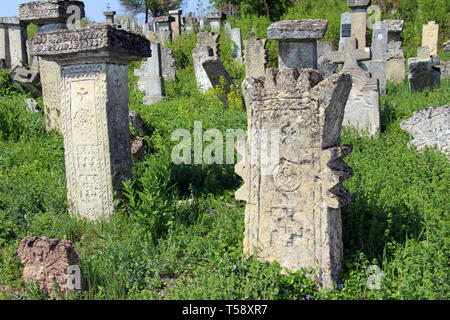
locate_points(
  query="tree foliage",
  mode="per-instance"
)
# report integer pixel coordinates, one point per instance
(154, 7)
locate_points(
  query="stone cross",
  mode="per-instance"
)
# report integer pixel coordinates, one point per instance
(363, 105)
(293, 167)
(346, 28)
(298, 41)
(430, 36)
(109, 17)
(13, 37)
(255, 55)
(94, 110)
(359, 20)
(49, 16)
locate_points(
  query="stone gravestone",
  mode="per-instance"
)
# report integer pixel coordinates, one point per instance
(176, 22)
(430, 127)
(52, 264)
(297, 41)
(13, 37)
(94, 105)
(255, 56)
(236, 39)
(109, 17)
(447, 47)
(49, 16)
(378, 65)
(207, 47)
(294, 192)
(359, 20)
(154, 81)
(430, 36)
(363, 105)
(214, 20)
(346, 28)
(325, 66)
(424, 71)
(396, 69)
(228, 28)
(168, 63)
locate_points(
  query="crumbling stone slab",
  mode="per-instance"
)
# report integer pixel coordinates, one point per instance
(430, 127)
(28, 79)
(48, 261)
(255, 57)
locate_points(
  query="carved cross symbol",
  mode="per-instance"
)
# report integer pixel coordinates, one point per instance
(82, 93)
(350, 56)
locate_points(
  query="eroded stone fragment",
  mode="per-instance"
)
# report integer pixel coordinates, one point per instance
(255, 56)
(293, 169)
(28, 79)
(424, 71)
(325, 64)
(207, 48)
(430, 127)
(49, 261)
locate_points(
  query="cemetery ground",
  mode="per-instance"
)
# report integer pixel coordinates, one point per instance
(178, 230)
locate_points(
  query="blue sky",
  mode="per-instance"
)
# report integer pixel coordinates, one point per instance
(94, 8)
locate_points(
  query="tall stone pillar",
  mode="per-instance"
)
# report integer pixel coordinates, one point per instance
(297, 41)
(109, 17)
(430, 37)
(255, 57)
(49, 15)
(94, 104)
(13, 37)
(293, 168)
(359, 20)
(154, 81)
(176, 23)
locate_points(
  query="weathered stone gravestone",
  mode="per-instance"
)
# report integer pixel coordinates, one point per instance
(176, 22)
(168, 63)
(297, 45)
(359, 20)
(377, 66)
(228, 28)
(447, 47)
(430, 127)
(109, 17)
(214, 20)
(151, 76)
(325, 66)
(13, 36)
(424, 71)
(294, 192)
(50, 15)
(255, 56)
(28, 79)
(207, 49)
(163, 27)
(396, 69)
(346, 28)
(52, 264)
(445, 69)
(430, 36)
(363, 105)
(94, 105)
(236, 39)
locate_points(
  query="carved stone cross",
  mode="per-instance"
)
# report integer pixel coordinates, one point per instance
(350, 56)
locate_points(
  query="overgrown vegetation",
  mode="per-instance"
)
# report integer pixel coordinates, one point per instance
(160, 245)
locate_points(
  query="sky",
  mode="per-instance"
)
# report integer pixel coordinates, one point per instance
(94, 8)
